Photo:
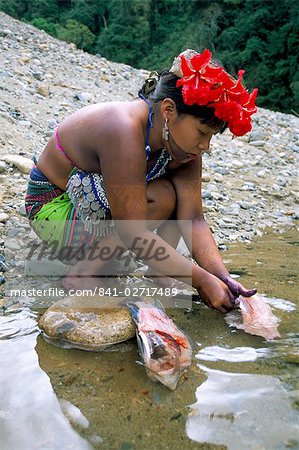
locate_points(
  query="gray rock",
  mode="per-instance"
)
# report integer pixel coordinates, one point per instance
(52, 124)
(245, 205)
(281, 181)
(38, 76)
(13, 232)
(25, 123)
(221, 170)
(83, 96)
(276, 187)
(5, 74)
(22, 210)
(261, 173)
(294, 147)
(257, 143)
(206, 194)
(257, 135)
(12, 245)
(3, 217)
(45, 267)
(3, 166)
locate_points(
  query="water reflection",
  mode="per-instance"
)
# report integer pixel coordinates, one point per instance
(232, 409)
(31, 417)
(68, 398)
(237, 354)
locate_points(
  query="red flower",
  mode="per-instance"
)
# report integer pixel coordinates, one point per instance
(205, 84)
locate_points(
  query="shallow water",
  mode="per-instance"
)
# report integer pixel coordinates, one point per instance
(240, 392)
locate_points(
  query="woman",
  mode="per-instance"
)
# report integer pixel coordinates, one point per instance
(142, 161)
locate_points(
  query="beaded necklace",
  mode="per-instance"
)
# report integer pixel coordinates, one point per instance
(159, 168)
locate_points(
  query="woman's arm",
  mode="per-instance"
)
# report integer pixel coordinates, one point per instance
(200, 241)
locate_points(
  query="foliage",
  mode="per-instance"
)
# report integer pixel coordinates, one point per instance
(76, 32)
(260, 36)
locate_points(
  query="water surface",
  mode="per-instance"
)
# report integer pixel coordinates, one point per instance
(239, 388)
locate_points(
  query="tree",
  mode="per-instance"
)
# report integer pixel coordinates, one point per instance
(76, 33)
(126, 36)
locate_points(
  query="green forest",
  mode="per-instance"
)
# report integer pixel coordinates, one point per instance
(260, 36)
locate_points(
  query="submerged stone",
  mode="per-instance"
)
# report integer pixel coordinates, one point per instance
(87, 323)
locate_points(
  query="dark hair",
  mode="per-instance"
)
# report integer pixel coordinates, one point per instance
(164, 86)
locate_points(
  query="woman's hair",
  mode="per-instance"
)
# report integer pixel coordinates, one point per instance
(157, 90)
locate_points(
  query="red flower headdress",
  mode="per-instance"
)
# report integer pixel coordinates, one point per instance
(206, 84)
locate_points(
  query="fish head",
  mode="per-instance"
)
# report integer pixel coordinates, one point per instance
(161, 358)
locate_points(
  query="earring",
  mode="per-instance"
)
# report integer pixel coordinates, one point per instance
(165, 131)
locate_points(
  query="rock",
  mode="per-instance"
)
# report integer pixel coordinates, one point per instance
(5, 74)
(13, 232)
(245, 205)
(257, 143)
(93, 326)
(221, 170)
(3, 166)
(84, 96)
(104, 77)
(261, 173)
(12, 245)
(6, 32)
(218, 177)
(38, 75)
(43, 89)
(3, 217)
(25, 123)
(257, 135)
(281, 181)
(205, 177)
(52, 124)
(23, 164)
(22, 210)
(46, 267)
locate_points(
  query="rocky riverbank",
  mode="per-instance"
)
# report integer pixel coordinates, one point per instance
(249, 183)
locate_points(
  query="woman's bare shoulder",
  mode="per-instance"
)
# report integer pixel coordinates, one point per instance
(104, 125)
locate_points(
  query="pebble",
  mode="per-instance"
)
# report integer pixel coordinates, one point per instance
(257, 135)
(83, 96)
(205, 177)
(12, 245)
(3, 166)
(45, 267)
(52, 124)
(22, 210)
(221, 170)
(245, 205)
(23, 164)
(13, 232)
(43, 89)
(218, 177)
(3, 217)
(257, 143)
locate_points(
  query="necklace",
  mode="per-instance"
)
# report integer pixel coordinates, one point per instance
(160, 165)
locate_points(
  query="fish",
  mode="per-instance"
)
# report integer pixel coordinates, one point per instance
(165, 350)
(258, 318)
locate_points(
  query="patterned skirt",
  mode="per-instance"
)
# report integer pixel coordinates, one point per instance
(60, 218)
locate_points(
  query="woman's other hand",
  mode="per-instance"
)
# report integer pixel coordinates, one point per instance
(216, 294)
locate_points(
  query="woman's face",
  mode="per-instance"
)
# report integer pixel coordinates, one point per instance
(188, 138)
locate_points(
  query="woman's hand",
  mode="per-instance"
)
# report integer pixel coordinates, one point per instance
(216, 294)
(237, 288)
